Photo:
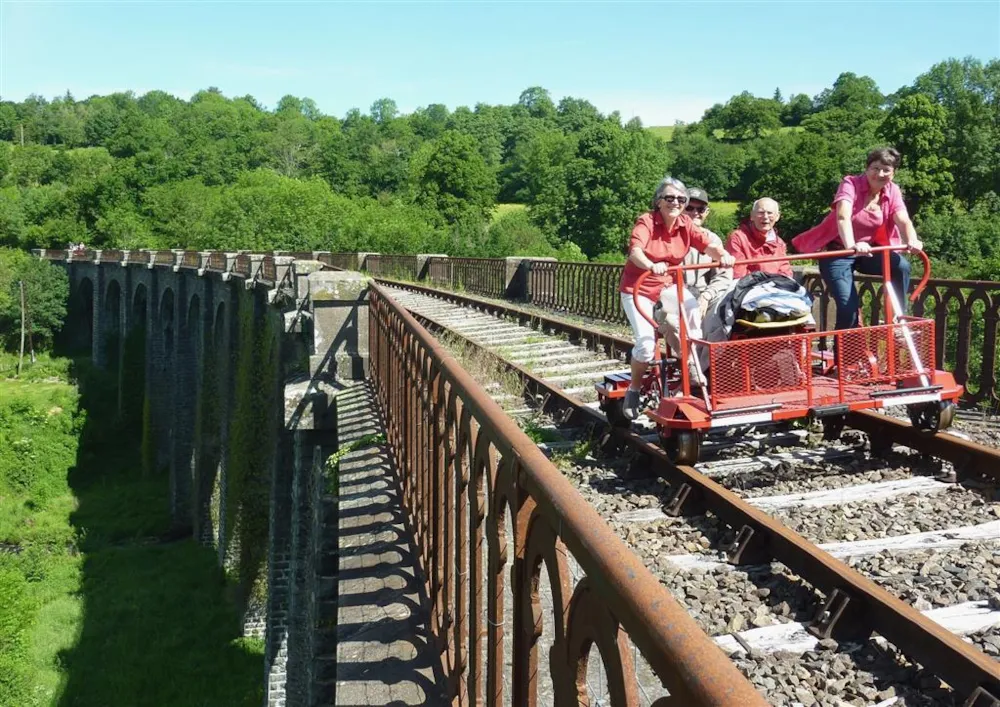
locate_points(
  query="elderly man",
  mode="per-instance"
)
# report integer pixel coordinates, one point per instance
(757, 238)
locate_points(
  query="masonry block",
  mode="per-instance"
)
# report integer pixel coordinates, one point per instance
(339, 302)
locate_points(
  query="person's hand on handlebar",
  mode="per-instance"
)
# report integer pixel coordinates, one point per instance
(915, 244)
(658, 268)
(862, 248)
(727, 259)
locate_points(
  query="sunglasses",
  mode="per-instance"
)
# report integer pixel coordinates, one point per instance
(700, 210)
(673, 199)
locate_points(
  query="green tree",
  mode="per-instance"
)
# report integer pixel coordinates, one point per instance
(916, 126)
(455, 180)
(46, 289)
(795, 111)
(746, 117)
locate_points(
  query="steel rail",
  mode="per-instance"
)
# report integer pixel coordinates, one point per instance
(855, 606)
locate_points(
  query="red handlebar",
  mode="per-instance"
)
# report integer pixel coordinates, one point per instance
(679, 269)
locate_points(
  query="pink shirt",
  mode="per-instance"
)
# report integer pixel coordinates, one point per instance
(660, 246)
(854, 189)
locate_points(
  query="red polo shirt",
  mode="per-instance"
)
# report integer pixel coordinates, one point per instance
(660, 246)
(747, 243)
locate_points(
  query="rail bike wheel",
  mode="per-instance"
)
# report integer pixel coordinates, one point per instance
(932, 417)
(613, 409)
(833, 427)
(682, 446)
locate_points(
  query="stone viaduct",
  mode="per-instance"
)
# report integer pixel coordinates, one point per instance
(208, 350)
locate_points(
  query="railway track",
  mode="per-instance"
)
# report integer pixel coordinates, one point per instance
(790, 553)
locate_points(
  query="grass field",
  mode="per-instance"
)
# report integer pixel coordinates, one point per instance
(97, 609)
(504, 209)
(664, 131)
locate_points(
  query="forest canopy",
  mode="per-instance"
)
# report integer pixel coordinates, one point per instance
(155, 171)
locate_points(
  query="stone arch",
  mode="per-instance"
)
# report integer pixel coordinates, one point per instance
(80, 335)
(133, 372)
(111, 325)
(166, 325)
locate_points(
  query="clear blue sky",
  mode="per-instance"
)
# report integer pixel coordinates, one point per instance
(661, 61)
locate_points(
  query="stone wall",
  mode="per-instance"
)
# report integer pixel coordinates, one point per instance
(242, 430)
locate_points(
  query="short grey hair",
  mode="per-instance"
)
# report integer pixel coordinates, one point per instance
(755, 204)
(661, 189)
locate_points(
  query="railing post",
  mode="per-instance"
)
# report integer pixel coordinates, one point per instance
(423, 259)
(339, 305)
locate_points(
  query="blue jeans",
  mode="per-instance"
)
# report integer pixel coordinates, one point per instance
(838, 276)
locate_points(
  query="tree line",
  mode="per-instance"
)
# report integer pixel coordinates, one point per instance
(128, 171)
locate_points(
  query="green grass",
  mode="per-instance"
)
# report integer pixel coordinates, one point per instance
(725, 208)
(503, 209)
(103, 609)
(662, 131)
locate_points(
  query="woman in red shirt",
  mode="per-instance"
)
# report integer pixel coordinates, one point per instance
(660, 238)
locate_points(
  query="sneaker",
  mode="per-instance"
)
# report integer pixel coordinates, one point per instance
(630, 407)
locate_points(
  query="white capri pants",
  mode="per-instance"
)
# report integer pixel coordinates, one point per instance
(642, 330)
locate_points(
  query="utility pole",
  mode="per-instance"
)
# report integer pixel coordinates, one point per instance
(20, 360)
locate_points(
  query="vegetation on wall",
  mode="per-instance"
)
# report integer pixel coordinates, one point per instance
(252, 444)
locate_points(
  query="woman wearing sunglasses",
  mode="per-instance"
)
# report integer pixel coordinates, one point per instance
(660, 238)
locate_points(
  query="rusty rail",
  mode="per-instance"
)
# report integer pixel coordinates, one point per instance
(856, 604)
(465, 468)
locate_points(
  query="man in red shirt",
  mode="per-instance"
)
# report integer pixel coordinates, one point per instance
(756, 238)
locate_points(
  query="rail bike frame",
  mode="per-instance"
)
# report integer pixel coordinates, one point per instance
(783, 377)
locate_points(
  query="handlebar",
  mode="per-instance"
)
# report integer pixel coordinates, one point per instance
(680, 269)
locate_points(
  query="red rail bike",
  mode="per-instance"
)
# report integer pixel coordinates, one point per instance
(788, 370)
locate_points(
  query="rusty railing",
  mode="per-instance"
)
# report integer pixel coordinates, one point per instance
(967, 318)
(242, 265)
(403, 267)
(110, 256)
(466, 472)
(439, 272)
(191, 259)
(268, 270)
(585, 289)
(482, 276)
(217, 261)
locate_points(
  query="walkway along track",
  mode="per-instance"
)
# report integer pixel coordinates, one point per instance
(855, 606)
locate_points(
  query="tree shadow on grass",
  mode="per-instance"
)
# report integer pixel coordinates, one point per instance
(157, 627)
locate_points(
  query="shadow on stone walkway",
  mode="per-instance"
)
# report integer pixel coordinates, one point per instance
(384, 654)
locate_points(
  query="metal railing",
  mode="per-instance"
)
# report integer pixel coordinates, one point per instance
(466, 469)
(966, 314)
(585, 289)
(405, 267)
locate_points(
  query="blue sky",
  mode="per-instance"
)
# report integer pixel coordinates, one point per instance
(661, 61)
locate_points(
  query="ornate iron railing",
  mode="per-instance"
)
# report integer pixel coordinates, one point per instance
(110, 256)
(268, 270)
(483, 276)
(586, 289)
(217, 261)
(403, 267)
(967, 318)
(242, 265)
